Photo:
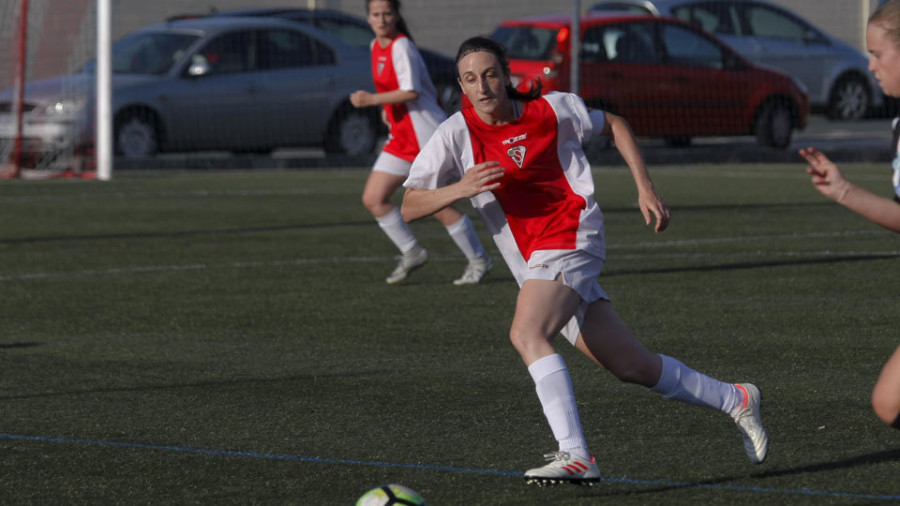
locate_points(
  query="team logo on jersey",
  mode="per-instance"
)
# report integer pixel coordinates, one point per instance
(517, 153)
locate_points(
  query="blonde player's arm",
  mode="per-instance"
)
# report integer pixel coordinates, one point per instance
(649, 201)
(479, 179)
(828, 179)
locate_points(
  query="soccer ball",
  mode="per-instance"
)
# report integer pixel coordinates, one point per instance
(387, 495)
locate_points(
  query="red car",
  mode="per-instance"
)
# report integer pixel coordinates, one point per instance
(668, 78)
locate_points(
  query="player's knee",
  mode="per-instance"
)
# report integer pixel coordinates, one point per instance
(524, 341)
(886, 408)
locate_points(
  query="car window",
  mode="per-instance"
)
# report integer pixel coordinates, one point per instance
(351, 33)
(150, 53)
(631, 43)
(687, 48)
(766, 22)
(599, 43)
(619, 7)
(279, 49)
(229, 53)
(714, 17)
(526, 42)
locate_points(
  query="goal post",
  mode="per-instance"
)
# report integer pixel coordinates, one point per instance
(104, 143)
(13, 151)
(45, 100)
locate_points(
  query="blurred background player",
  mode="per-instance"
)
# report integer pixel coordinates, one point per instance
(519, 158)
(411, 110)
(883, 41)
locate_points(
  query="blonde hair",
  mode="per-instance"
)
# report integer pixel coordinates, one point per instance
(887, 15)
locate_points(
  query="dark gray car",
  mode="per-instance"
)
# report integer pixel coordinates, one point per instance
(233, 84)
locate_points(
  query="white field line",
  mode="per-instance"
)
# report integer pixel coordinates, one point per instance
(169, 195)
(653, 249)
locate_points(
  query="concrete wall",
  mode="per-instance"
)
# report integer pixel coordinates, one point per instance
(61, 32)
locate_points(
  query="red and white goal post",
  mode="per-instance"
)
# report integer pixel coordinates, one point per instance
(49, 39)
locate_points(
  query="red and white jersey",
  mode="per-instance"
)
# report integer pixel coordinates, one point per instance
(546, 197)
(399, 66)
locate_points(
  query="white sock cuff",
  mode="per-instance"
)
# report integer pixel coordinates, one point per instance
(391, 218)
(543, 367)
(461, 224)
(669, 376)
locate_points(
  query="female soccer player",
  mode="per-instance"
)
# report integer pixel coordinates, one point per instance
(883, 41)
(411, 110)
(518, 157)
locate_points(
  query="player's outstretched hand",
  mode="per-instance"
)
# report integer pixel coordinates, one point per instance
(653, 206)
(481, 178)
(826, 177)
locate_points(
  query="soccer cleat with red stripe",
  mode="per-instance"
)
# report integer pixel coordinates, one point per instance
(749, 422)
(564, 468)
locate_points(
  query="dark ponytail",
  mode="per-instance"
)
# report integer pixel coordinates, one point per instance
(489, 45)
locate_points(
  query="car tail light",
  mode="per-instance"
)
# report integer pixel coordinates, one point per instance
(558, 56)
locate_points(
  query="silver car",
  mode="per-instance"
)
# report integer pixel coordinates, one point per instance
(835, 74)
(233, 84)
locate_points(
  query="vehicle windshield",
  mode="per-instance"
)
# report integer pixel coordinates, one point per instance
(526, 42)
(151, 53)
(620, 7)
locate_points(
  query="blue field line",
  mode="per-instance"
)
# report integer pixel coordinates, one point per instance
(431, 467)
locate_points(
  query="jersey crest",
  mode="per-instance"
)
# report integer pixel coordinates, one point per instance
(517, 153)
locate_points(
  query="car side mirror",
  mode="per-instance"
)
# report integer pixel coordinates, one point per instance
(199, 66)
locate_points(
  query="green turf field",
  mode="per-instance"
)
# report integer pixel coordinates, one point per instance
(228, 338)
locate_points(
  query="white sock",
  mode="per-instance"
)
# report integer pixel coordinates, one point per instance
(463, 234)
(397, 230)
(554, 389)
(684, 384)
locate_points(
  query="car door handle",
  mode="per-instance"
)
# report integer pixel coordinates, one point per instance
(613, 75)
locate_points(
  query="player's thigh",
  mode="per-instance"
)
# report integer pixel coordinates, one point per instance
(380, 187)
(543, 307)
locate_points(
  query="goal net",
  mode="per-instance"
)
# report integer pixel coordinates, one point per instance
(47, 42)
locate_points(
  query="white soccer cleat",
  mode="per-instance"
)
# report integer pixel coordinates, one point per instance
(409, 261)
(564, 468)
(475, 271)
(749, 422)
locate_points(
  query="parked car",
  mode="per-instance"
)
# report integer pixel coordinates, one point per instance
(668, 78)
(356, 31)
(836, 75)
(235, 84)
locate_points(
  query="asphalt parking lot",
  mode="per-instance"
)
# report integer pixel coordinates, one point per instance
(855, 141)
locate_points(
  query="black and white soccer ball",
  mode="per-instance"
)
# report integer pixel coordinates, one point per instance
(388, 495)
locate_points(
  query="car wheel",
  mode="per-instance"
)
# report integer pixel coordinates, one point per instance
(137, 134)
(774, 125)
(352, 132)
(450, 97)
(849, 99)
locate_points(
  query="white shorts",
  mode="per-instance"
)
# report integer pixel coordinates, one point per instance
(392, 164)
(579, 271)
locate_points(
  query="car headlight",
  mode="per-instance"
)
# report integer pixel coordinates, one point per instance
(63, 108)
